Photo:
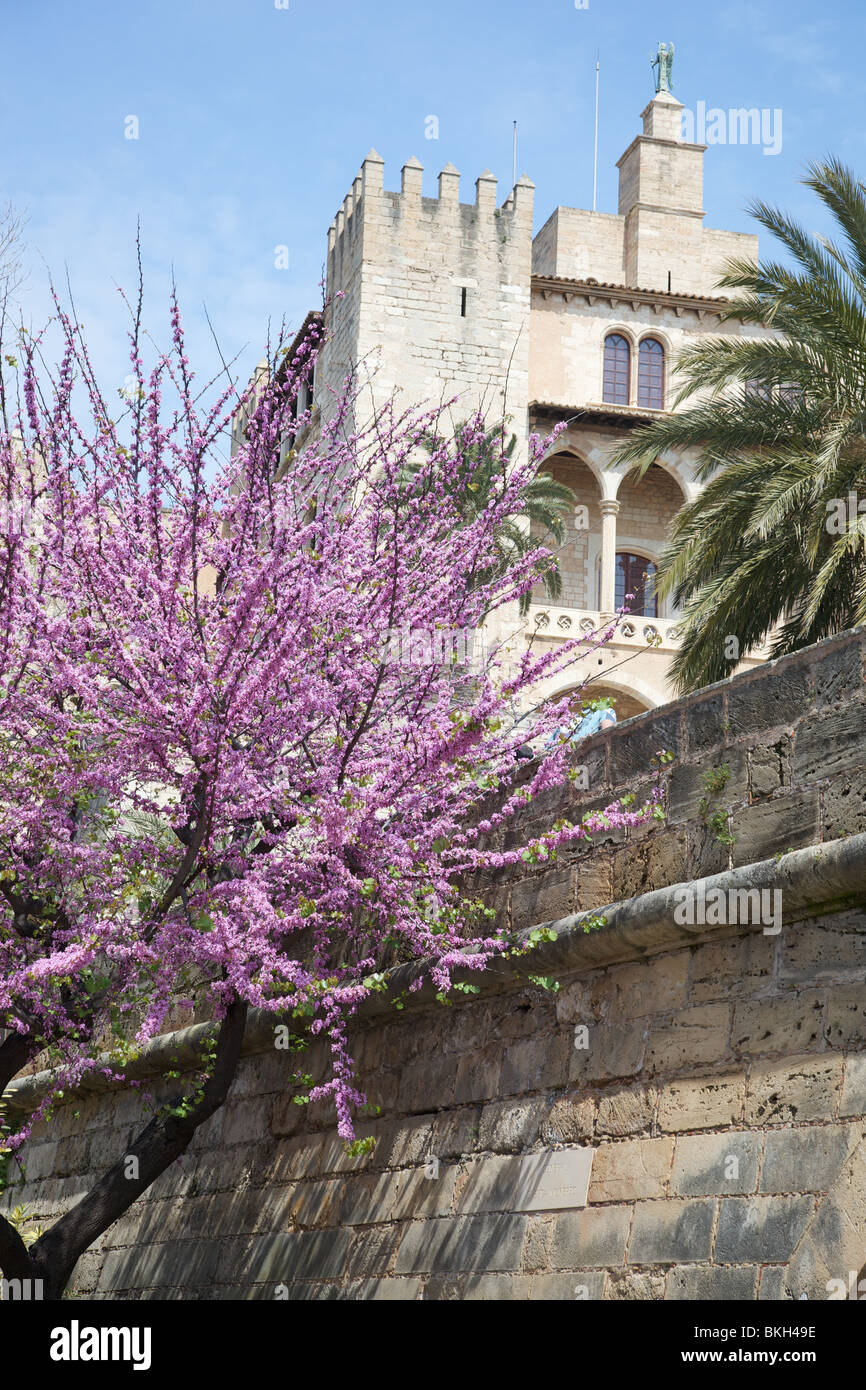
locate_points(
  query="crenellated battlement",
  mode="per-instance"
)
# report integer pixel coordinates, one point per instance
(407, 210)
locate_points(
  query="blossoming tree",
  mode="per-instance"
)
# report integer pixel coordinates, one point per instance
(220, 774)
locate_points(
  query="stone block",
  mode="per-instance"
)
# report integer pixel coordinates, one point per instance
(534, 1064)
(444, 1288)
(705, 1102)
(456, 1132)
(671, 1232)
(425, 1191)
(716, 1164)
(478, 1076)
(286, 1117)
(793, 1090)
(844, 804)
(777, 695)
(632, 1169)
(790, 821)
(581, 1000)
(706, 853)
(536, 1246)
(570, 1119)
(632, 749)
(853, 1100)
(295, 1158)
(593, 1237)
(481, 1243)
(381, 1290)
(846, 1016)
(711, 1284)
(667, 857)
(545, 1181)
(580, 1286)
(839, 675)
(834, 949)
(401, 1144)
(594, 881)
(807, 1159)
(630, 874)
(772, 1285)
(516, 1016)
(832, 1247)
(653, 986)
(790, 1023)
(692, 1037)
(429, 1082)
(40, 1160)
(371, 1251)
(544, 898)
(603, 1053)
(177, 1264)
(763, 1229)
(495, 1287)
(287, 1256)
(706, 723)
(769, 768)
(826, 744)
(79, 1154)
(628, 1285)
(353, 1201)
(727, 774)
(468, 1027)
(732, 969)
(512, 1126)
(626, 1111)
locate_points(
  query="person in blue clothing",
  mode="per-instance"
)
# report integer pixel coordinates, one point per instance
(600, 714)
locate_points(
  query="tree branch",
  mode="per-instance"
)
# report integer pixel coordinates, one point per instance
(15, 1260)
(15, 1052)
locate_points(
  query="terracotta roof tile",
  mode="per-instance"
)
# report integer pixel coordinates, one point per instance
(590, 284)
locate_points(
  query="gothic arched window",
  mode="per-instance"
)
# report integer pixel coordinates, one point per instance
(616, 369)
(651, 374)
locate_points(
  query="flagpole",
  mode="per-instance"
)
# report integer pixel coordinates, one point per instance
(595, 147)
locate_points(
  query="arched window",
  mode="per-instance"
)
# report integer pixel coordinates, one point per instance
(616, 369)
(651, 374)
(635, 574)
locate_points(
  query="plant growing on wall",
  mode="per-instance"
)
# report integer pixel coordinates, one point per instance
(221, 777)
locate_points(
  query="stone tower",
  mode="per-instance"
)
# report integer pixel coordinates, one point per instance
(429, 297)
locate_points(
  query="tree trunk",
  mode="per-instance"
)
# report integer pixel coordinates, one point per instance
(52, 1258)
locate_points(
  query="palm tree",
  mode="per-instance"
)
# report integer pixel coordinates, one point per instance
(544, 503)
(772, 549)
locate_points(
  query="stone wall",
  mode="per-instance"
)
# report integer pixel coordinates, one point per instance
(575, 243)
(647, 508)
(792, 736)
(715, 1073)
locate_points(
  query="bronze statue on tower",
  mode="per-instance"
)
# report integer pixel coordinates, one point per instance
(664, 61)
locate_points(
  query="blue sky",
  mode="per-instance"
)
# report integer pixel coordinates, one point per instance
(253, 122)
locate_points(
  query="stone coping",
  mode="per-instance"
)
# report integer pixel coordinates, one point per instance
(812, 881)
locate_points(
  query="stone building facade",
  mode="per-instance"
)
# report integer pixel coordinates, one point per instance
(433, 299)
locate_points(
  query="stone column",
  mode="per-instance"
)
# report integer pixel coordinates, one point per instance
(609, 509)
